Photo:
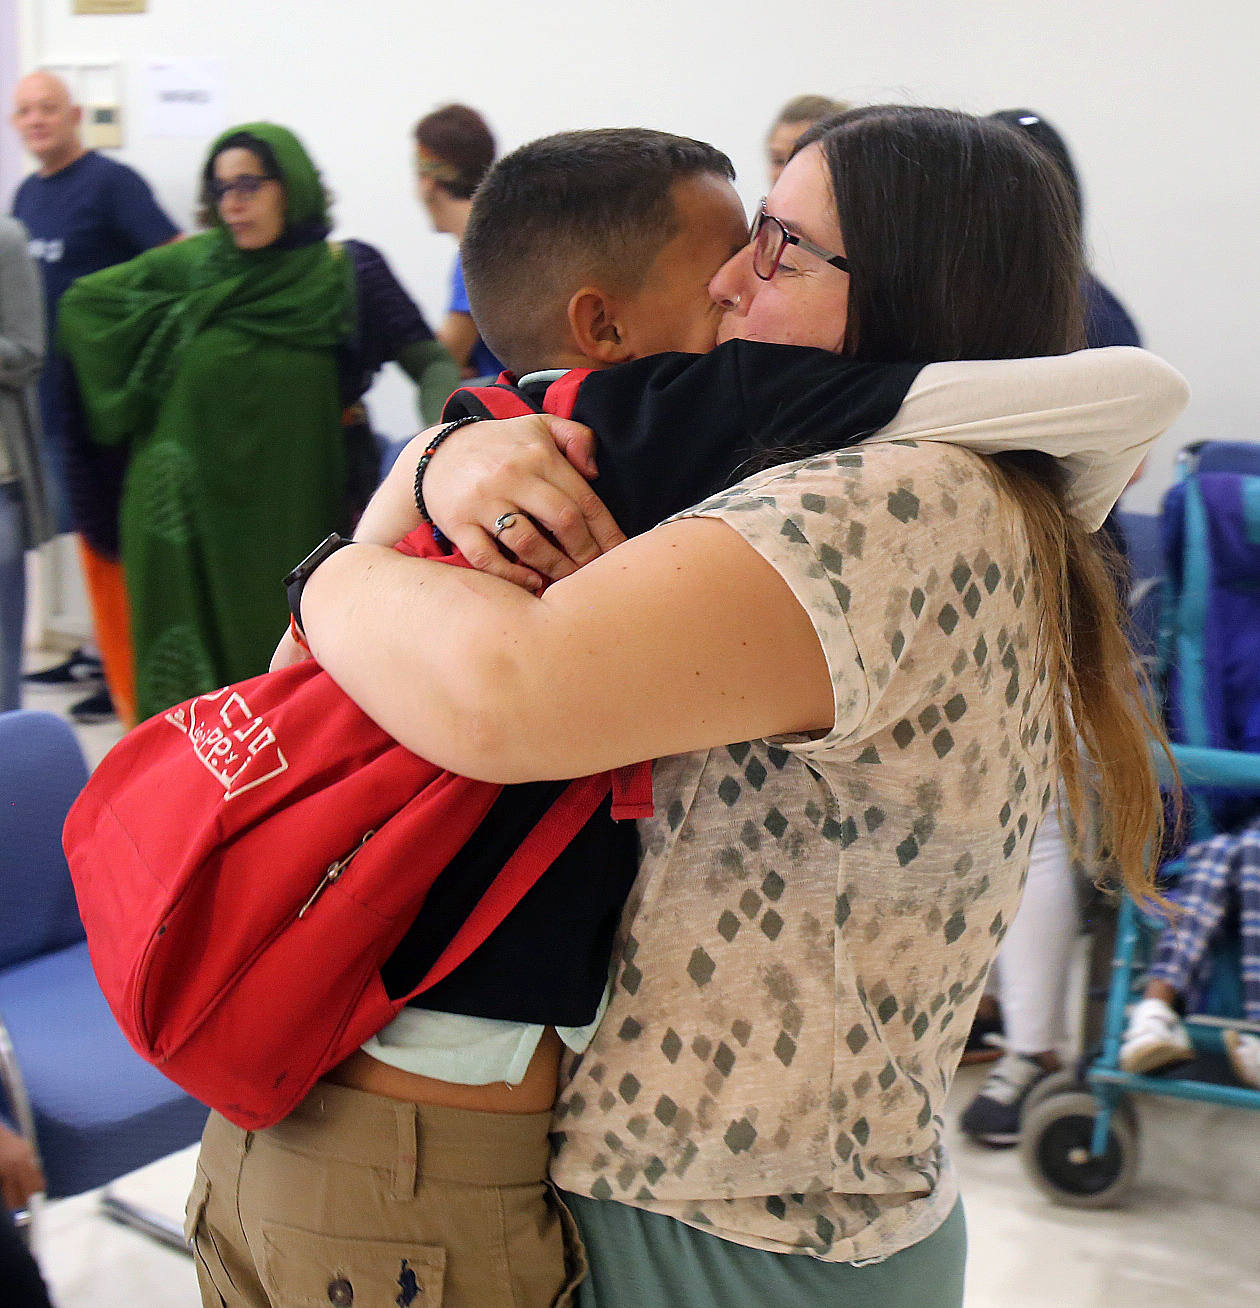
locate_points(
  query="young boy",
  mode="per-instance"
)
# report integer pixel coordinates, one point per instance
(419, 1164)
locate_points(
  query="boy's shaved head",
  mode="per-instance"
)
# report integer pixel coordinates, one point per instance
(577, 208)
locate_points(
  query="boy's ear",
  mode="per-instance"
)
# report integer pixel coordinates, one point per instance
(594, 321)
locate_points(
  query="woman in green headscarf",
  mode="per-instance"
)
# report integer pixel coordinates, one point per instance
(215, 360)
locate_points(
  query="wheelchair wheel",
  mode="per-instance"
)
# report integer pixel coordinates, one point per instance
(1064, 1081)
(1055, 1151)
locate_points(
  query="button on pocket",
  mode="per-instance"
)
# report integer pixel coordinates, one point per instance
(301, 1269)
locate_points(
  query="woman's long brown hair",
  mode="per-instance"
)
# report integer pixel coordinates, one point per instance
(964, 242)
(1103, 714)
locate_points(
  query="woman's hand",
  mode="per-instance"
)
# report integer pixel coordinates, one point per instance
(491, 486)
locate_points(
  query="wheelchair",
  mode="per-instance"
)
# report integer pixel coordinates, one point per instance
(1080, 1129)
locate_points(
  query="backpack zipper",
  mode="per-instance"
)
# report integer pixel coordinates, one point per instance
(333, 873)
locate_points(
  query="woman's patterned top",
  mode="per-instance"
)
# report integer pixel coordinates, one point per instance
(802, 952)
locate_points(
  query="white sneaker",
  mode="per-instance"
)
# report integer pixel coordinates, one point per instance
(1156, 1037)
(1244, 1055)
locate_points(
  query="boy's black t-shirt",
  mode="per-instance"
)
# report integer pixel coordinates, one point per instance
(672, 430)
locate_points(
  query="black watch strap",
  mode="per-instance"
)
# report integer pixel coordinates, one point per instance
(295, 582)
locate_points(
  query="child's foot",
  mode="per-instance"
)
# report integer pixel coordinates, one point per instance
(1156, 1037)
(1243, 1049)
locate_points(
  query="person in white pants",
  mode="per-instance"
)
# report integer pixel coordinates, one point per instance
(1030, 979)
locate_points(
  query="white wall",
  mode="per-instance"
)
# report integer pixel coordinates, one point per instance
(1157, 98)
(10, 150)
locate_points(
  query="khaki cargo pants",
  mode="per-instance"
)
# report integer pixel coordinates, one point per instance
(358, 1201)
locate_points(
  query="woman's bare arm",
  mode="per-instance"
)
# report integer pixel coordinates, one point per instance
(681, 639)
(1098, 411)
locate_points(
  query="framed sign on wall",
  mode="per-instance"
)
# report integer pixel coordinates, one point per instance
(111, 6)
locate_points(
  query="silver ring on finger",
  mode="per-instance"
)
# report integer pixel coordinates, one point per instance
(503, 522)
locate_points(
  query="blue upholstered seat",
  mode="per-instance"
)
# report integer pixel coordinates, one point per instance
(99, 1109)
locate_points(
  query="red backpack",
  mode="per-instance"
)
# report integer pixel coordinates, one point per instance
(246, 863)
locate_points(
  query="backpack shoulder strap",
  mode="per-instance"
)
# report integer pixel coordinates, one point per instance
(562, 394)
(533, 856)
(502, 399)
(632, 792)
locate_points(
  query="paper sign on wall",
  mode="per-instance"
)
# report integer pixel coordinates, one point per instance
(185, 97)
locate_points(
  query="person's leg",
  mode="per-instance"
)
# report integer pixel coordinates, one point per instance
(1249, 917)
(644, 1260)
(1034, 967)
(1036, 955)
(1201, 900)
(111, 620)
(1243, 1047)
(12, 598)
(1155, 1036)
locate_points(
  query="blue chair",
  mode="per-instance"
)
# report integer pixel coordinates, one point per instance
(91, 1106)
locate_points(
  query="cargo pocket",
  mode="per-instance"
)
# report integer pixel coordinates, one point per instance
(211, 1273)
(303, 1270)
(198, 1197)
(575, 1264)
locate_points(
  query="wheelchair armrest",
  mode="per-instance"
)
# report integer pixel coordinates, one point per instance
(1211, 768)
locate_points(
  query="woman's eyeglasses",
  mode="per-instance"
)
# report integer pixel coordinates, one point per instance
(769, 238)
(245, 185)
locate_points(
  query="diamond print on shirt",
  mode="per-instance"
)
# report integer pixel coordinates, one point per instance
(808, 936)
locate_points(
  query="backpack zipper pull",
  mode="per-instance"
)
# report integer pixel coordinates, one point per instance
(333, 873)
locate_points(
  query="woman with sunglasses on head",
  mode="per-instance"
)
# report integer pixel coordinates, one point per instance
(859, 673)
(232, 365)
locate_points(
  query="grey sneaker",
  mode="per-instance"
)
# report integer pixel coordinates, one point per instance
(76, 669)
(993, 1116)
(96, 707)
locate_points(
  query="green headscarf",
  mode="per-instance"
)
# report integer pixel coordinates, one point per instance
(216, 367)
(127, 327)
(306, 202)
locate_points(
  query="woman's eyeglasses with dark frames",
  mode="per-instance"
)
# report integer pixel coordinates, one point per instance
(769, 238)
(246, 184)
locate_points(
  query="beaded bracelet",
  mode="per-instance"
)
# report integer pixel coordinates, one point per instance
(429, 451)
